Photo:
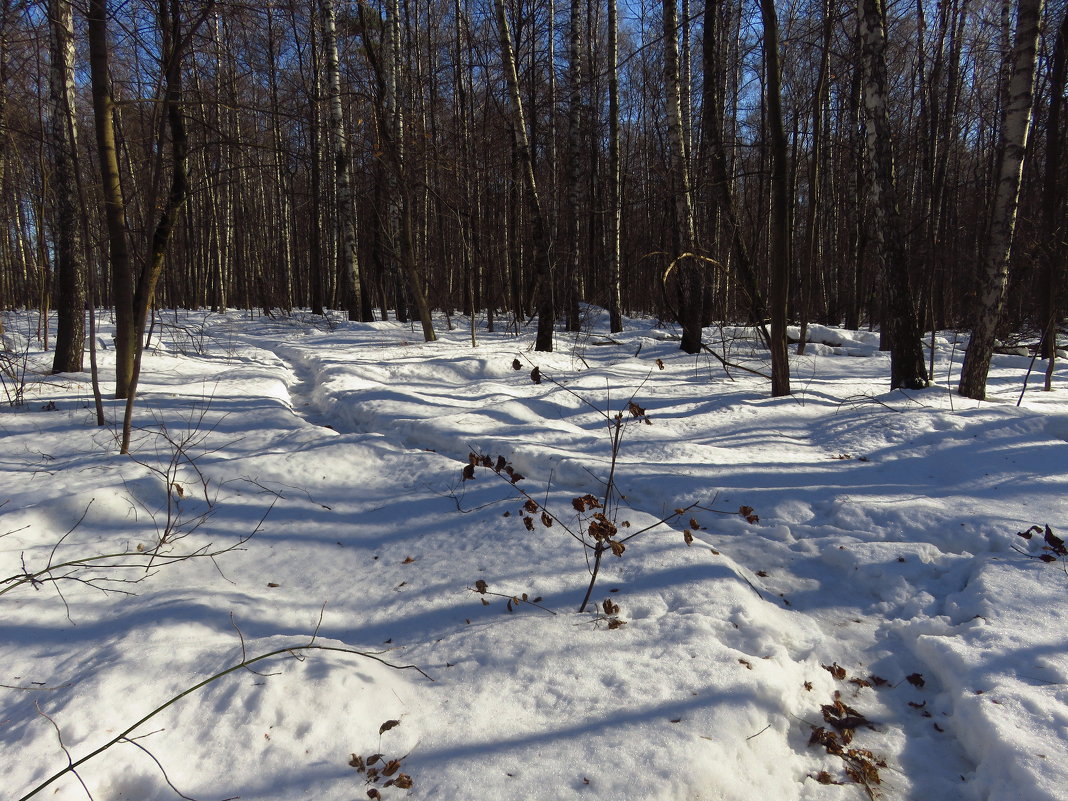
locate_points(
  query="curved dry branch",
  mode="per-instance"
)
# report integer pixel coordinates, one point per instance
(124, 735)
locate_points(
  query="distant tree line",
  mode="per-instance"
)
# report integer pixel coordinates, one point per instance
(702, 160)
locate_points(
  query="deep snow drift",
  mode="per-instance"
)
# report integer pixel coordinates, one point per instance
(876, 589)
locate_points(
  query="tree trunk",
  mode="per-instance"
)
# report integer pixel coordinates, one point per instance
(1053, 212)
(173, 41)
(811, 262)
(393, 139)
(114, 203)
(574, 154)
(907, 368)
(346, 209)
(779, 247)
(69, 256)
(542, 268)
(615, 300)
(716, 158)
(993, 276)
(685, 264)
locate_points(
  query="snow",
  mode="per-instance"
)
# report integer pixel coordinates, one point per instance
(327, 457)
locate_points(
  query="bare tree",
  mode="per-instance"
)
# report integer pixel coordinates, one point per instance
(686, 264)
(126, 337)
(63, 141)
(615, 300)
(779, 255)
(346, 208)
(907, 368)
(1053, 212)
(993, 276)
(525, 164)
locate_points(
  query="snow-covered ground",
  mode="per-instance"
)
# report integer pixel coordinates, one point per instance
(875, 589)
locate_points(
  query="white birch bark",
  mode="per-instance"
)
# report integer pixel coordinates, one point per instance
(345, 202)
(63, 143)
(993, 276)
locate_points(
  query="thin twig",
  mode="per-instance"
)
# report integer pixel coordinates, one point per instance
(71, 764)
(518, 598)
(125, 734)
(166, 778)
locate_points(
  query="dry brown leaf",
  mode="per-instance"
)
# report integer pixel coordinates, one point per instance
(835, 670)
(403, 781)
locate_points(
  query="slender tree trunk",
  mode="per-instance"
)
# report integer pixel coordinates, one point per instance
(815, 176)
(542, 268)
(467, 168)
(713, 139)
(615, 300)
(1053, 212)
(907, 368)
(779, 254)
(685, 263)
(574, 155)
(279, 198)
(994, 271)
(70, 262)
(346, 208)
(114, 203)
(173, 41)
(394, 141)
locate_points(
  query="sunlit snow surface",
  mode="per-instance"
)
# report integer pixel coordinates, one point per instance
(885, 545)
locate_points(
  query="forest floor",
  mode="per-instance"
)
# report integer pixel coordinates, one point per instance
(843, 610)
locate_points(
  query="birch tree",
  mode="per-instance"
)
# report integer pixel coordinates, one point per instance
(685, 263)
(346, 208)
(63, 145)
(993, 275)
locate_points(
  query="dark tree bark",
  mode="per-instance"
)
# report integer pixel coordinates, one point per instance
(542, 265)
(907, 368)
(126, 337)
(173, 42)
(686, 264)
(1053, 211)
(779, 254)
(716, 159)
(63, 142)
(615, 300)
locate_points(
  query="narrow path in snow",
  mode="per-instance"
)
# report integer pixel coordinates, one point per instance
(864, 633)
(302, 389)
